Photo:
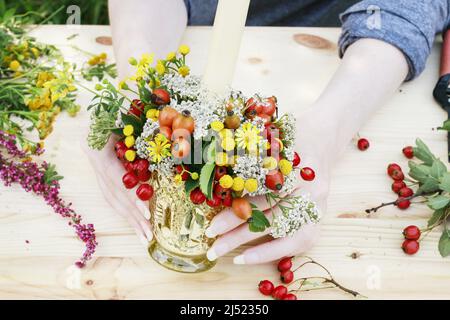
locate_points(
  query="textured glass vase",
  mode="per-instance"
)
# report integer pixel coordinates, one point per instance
(179, 226)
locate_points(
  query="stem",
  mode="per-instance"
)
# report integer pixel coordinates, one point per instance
(392, 203)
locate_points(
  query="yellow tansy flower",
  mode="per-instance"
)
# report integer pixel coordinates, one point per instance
(160, 68)
(171, 56)
(269, 163)
(238, 184)
(130, 155)
(178, 179)
(128, 130)
(184, 49)
(226, 181)
(194, 176)
(14, 65)
(285, 167)
(228, 144)
(184, 71)
(251, 185)
(217, 125)
(152, 114)
(248, 137)
(129, 141)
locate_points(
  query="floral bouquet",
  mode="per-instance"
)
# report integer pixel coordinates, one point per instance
(192, 153)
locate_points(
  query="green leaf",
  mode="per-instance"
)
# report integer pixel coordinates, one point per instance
(258, 222)
(445, 182)
(438, 169)
(436, 217)
(438, 202)
(419, 172)
(422, 152)
(51, 175)
(444, 244)
(211, 151)
(430, 185)
(206, 179)
(445, 126)
(134, 121)
(190, 185)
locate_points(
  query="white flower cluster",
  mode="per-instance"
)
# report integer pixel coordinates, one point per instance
(164, 168)
(301, 211)
(289, 153)
(290, 182)
(188, 86)
(149, 128)
(141, 143)
(288, 128)
(250, 167)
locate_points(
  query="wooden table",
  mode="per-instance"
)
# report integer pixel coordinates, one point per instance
(362, 253)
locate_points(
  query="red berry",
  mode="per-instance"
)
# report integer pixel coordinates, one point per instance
(160, 97)
(397, 175)
(141, 170)
(287, 276)
(214, 202)
(307, 174)
(290, 296)
(220, 171)
(363, 144)
(285, 264)
(410, 246)
(197, 196)
(397, 186)
(296, 160)
(403, 203)
(119, 145)
(274, 180)
(228, 201)
(392, 167)
(183, 170)
(408, 152)
(137, 107)
(279, 292)
(120, 153)
(266, 287)
(129, 166)
(405, 192)
(145, 192)
(221, 192)
(411, 233)
(130, 180)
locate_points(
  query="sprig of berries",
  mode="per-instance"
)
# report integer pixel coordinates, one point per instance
(432, 179)
(287, 276)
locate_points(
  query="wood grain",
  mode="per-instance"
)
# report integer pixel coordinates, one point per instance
(363, 253)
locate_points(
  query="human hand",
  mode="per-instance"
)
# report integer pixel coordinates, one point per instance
(123, 201)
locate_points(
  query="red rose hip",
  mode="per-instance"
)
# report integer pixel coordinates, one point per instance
(290, 296)
(307, 174)
(363, 144)
(287, 276)
(197, 196)
(391, 167)
(145, 192)
(130, 180)
(397, 175)
(403, 203)
(397, 186)
(411, 233)
(285, 264)
(405, 192)
(279, 292)
(266, 287)
(296, 160)
(408, 152)
(410, 246)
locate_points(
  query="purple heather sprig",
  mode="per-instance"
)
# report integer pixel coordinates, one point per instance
(41, 179)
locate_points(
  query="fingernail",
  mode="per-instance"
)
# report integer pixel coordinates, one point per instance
(143, 209)
(214, 229)
(147, 231)
(143, 240)
(239, 259)
(217, 251)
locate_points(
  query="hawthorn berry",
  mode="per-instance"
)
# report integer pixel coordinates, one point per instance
(403, 203)
(160, 97)
(274, 180)
(397, 175)
(279, 292)
(397, 186)
(120, 145)
(214, 202)
(391, 167)
(266, 287)
(290, 296)
(219, 172)
(411, 233)
(287, 276)
(408, 152)
(405, 192)
(130, 180)
(410, 246)
(285, 264)
(197, 196)
(227, 201)
(129, 166)
(363, 144)
(307, 174)
(145, 192)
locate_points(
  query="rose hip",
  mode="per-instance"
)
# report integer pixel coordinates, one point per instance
(397, 175)
(403, 203)
(392, 167)
(287, 276)
(405, 192)
(285, 264)
(145, 192)
(363, 144)
(266, 287)
(290, 296)
(410, 246)
(296, 160)
(408, 152)
(279, 292)
(307, 174)
(411, 233)
(130, 180)
(397, 186)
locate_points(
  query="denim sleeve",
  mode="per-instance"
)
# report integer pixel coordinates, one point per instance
(410, 25)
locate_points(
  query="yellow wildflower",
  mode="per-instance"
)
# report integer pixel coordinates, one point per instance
(285, 167)
(132, 61)
(251, 185)
(159, 148)
(130, 155)
(160, 68)
(184, 49)
(248, 137)
(226, 181)
(238, 184)
(171, 56)
(123, 85)
(269, 163)
(178, 178)
(226, 133)
(128, 130)
(146, 60)
(184, 71)
(217, 125)
(228, 144)
(94, 61)
(221, 159)
(14, 65)
(152, 114)
(129, 141)
(194, 176)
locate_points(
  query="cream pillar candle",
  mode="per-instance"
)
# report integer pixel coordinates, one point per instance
(229, 25)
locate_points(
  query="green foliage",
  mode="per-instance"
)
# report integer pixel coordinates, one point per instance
(50, 175)
(99, 71)
(207, 178)
(258, 222)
